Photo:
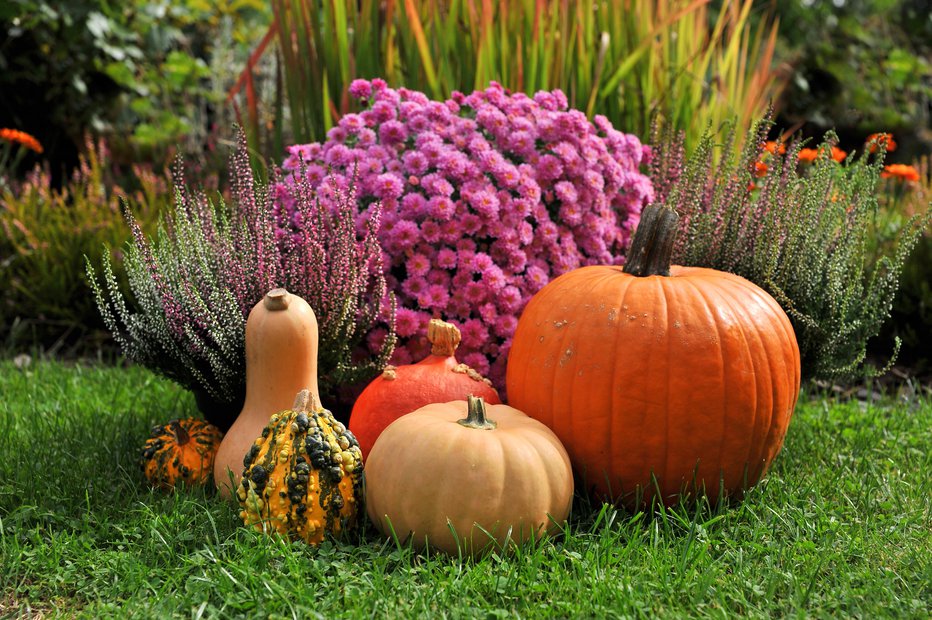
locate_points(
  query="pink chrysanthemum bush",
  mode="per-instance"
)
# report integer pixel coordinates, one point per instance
(485, 198)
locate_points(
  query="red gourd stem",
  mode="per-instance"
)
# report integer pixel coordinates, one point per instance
(475, 415)
(652, 245)
(444, 337)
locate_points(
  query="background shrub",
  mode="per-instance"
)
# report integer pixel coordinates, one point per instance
(859, 66)
(45, 233)
(150, 76)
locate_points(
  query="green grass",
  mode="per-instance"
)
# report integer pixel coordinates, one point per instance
(841, 527)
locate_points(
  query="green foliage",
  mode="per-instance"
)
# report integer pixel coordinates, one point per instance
(801, 232)
(627, 60)
(859, 64)
(148, 75)
(840, 528)
(911, 316)
(44, 236)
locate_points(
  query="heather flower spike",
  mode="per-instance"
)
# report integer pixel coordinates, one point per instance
(194, 283)
(484, 198)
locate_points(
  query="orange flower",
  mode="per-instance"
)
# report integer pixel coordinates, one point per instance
(876, 139)
(838, 154)
(807, 156)
(775, 148)
(901, 172)
(20, 137)
(760, 169)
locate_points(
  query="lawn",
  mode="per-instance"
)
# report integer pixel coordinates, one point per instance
(842, 526)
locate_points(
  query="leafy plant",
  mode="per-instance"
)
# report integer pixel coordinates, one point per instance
(802, 232)
(626, 59)
(147, 75)
(486, 197)
(911, 317)
(45, 235)
(195, 282)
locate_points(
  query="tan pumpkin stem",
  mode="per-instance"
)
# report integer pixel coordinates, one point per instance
(652, 245)
(181, 435)
(444, 337)
(475, 415)
(277, 299)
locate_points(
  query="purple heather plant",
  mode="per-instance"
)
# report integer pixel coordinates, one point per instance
(484, 199)
(195, 283)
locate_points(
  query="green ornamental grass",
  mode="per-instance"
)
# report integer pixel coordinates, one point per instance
(689, 61)
(841, 527)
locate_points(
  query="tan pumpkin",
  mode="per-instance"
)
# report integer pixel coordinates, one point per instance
(464, 476)
(658, 379)
(438, 378)
(303, 475)
(181, 451)
(281, 360)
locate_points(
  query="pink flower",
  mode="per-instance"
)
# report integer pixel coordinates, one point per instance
(446, 258)
(474, 333)
(391, 132)
(405, 233)
(475, 292)
(485, 197)
(407, 322)
(388, 186)
(360, 89)
(435, 297)
(418, 265)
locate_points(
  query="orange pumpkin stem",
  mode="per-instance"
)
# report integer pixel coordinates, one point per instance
(444, 337)
(652, 245)
(475, 415)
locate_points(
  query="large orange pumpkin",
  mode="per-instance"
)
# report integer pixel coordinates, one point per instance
(657, 378)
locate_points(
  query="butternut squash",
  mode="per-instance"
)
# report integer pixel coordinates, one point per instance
(281, 360)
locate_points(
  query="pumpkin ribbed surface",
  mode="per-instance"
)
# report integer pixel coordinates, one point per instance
(303, 476)
(180, 451)
(662, 381)
(447, 466)
(679, 383)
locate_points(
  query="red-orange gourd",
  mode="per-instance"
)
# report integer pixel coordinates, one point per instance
(461, 476)
(657, 378)
(281, 360)
(438, 378)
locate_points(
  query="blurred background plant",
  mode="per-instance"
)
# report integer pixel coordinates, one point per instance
(906, 191)
(14, 146)
(693, 62)
(44, 235)
(149, 76)
(859, 66)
